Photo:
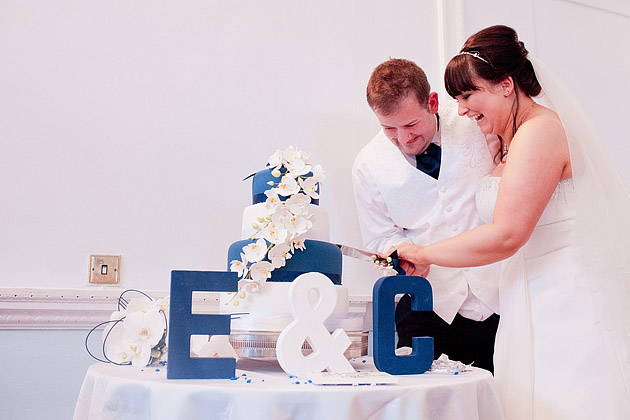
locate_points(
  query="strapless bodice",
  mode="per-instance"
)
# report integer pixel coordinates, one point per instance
(561, 206)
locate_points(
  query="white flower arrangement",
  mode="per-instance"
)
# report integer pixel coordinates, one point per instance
(284, 228)
(136, 333)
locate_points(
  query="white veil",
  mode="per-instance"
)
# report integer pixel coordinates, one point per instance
(602, 214)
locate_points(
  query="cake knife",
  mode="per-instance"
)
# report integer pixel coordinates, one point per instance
(362, 255)
(357, 253)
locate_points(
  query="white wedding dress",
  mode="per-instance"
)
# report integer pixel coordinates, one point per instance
(555, 359)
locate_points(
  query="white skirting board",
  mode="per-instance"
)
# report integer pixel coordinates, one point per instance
(39, 308)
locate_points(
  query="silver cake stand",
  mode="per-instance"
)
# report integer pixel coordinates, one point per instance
(262, 344)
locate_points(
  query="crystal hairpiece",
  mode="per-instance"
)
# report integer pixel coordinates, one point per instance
(476, 55)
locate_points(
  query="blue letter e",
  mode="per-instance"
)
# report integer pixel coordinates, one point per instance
(183, 324)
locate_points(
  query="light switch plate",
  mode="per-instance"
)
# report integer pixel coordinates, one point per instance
(104, 269)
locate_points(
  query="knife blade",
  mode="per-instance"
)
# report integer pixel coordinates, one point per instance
(362, 255)
(357, 253)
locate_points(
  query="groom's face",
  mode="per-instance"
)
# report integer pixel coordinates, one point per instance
(410, 127)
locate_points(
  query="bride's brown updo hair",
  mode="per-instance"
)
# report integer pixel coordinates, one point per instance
(493, 54)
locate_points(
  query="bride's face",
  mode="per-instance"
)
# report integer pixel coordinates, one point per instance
(487, 106)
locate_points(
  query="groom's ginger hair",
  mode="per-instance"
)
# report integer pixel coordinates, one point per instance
(392, 81)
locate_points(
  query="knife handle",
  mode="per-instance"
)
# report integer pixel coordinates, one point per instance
(396, 263)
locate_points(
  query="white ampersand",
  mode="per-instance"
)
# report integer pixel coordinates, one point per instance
(328, 349)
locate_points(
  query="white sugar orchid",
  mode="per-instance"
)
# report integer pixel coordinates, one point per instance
(309, 186)
(276, 234)
(119, 352)
(276, 159)
(279, 254)
(297, 203)
(261, 271)
(140, 305)
(251, 286)
(281, 216)
(137, 352)
(298, 243)
(163, 304)
(295, 223)
(287, 186)
(318, 173)
(147, 326)
(146, 305)
(256, 251)
(240, 266)
(291, 154)
(298, 225)
(298, 168)
(273, 201)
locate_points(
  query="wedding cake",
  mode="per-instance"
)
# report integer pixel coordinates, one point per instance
(285, 233)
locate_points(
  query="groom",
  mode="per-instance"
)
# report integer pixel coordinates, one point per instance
(415, 182)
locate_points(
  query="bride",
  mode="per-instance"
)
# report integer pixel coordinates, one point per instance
(556, 213)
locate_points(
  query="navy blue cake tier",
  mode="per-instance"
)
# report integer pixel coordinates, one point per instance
(260, 184)
(321, 257)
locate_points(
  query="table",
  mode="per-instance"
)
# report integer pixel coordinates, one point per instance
(261, 390)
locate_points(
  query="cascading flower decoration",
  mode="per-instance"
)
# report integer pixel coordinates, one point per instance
(283, 231)
(136, 333)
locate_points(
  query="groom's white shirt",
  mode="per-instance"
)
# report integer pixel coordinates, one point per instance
(398, 203)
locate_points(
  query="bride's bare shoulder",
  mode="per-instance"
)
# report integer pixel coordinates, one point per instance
(544, 120)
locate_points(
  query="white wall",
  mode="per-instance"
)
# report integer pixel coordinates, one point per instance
(127, 127)
(42, 372)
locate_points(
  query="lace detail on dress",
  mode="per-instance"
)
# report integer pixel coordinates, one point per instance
(490, 184)
(564, 188)
(560, 203)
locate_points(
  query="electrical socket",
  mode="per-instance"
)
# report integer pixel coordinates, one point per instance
(104, 269)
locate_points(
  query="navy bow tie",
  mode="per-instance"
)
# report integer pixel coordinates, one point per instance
(429, 160)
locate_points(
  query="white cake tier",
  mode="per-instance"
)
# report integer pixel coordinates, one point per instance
(269, 310)
(320, 230)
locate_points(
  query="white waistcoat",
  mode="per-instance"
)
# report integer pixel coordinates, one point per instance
(429, 210)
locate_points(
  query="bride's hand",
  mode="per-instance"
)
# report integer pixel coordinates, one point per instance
(410, 260)
(412, 270)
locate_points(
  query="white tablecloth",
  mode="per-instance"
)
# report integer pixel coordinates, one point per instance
(264, 391)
